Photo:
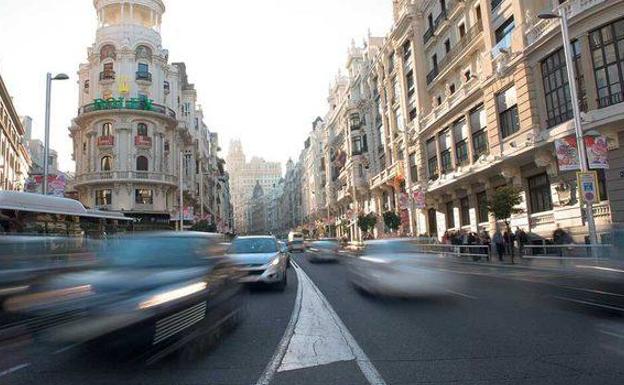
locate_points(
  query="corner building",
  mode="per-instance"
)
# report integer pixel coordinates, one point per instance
(138, 115)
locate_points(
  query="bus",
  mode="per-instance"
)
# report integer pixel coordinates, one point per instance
(34, 214)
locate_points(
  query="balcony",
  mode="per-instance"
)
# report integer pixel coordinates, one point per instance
(108, 176)
(106, 141)
(460, 47)
(127, 104)
(144, 76)
(106, 76)
(143, 141)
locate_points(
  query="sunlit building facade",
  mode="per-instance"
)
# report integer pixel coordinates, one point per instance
(138, 120)
(14, 158)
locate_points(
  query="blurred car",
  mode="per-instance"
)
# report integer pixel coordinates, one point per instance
(150, 294)
(324, 250)
(393, 268)
(296, 242)
(261, 258)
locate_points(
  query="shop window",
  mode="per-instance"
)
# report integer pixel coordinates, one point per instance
(540, 194)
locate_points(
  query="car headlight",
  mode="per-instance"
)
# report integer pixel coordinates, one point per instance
(275, 262)
(172, 295)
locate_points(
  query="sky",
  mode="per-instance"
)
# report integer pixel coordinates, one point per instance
(262, 68)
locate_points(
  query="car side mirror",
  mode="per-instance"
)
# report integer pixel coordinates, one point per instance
(284, 249)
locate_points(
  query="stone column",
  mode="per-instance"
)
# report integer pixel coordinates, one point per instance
(588, 72)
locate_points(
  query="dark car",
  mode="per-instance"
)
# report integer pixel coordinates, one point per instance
(149, 294)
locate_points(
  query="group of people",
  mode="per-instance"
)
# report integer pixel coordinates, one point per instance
(501, 242)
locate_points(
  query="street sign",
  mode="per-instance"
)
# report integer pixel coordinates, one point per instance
(588, 186)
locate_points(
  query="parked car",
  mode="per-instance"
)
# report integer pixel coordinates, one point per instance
(296, 241)
(150, 295)
(262, 259)
(284, 249)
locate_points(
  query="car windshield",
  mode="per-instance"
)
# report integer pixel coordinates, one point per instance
(253, 246)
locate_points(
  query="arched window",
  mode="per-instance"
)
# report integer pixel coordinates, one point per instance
(107, 163)
(142, 163)
(107, 129)
(108, 51)
(143, 52)
(142, 129)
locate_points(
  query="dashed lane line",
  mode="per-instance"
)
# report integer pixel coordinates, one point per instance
(14, 369)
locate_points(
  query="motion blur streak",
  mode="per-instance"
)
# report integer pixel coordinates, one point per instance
(47, 298)
(173, 295)
(141, 295)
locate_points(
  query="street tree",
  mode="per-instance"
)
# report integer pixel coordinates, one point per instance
(367, 222)
(392, 220)
(502, 203)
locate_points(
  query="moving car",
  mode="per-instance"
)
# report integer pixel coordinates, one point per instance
(296, 241)
(395, 268)
(149, 295)
(324, 250)
(261, 258)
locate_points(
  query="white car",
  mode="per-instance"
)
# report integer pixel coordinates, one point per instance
(262, 259)
(296, 242)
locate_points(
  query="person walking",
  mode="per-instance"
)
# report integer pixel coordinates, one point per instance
(499, 244)
(521, 240)
(509, 243)
(486, 241)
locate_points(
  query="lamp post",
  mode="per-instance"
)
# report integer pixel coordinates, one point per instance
(561, 14)
(181, 189)
(46, 148)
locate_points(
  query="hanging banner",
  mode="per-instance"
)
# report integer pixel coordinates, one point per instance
(419, 199)
(597, 148)
(567, 153)
(404, 201)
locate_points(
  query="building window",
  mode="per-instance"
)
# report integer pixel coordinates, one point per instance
(356, 146)
(539, 193)
(450, 217)
(447, 45)
(108, 71)
(557, 88)
(413, 114)
(106, 163)
(107, 129)
(462, 30)
(503, 35)
(478, 126)
(607, 47)
(103, 197)
(482, 207)
(400, 123)
(460, 133)
(407, 50)
(508, 112)
(142, 129)
(410, 84)
(445, 152)
(464, 210)
(432, 159)
(143, 197)
(413, 167)
(439, 100)
(452, 88)
(142, 164)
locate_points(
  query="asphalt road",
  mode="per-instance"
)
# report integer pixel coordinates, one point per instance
(495, 325)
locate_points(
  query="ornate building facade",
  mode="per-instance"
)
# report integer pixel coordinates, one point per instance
(462, 97)
(14, 158)
(138, 121)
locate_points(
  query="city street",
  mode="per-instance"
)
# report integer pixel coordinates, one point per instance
(497, 325)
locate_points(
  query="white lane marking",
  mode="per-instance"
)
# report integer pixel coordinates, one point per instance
(601, 305)
(366, 366)
(461, 294)
(66, 348)
(14, 369)
(317, 339)
(611, 334)
(600, 268)
(272, 366)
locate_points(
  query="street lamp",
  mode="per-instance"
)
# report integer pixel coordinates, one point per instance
(46, 148)
(563, 16)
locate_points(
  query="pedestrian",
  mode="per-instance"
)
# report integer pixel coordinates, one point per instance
(486, 241)
(509, 243)
(521, 240)
(499, 244)
(558, 239)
